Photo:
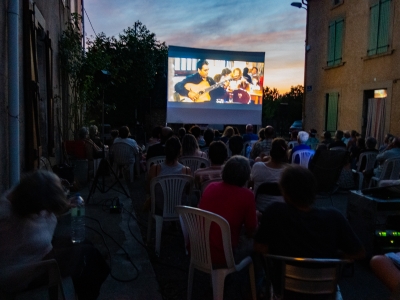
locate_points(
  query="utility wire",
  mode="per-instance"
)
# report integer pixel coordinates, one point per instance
(90, 22)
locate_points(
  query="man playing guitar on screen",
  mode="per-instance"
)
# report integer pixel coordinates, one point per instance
(199, 87)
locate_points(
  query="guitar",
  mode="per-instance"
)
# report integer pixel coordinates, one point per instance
(202, 89)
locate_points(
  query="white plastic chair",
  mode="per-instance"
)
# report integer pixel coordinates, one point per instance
(308, 275)
(370, 158)
(303, 156)
(173, 187)
(197, 222)
(390, 171)
(154, 160)
(194, 162)
(124, 155)
(12, 282)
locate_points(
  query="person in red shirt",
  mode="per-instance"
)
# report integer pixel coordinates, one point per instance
(231, 200)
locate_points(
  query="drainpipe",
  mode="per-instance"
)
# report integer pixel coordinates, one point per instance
(13, 92)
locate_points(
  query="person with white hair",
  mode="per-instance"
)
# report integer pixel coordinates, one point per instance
(302, 138)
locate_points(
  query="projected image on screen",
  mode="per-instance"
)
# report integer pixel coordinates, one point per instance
(211, 86)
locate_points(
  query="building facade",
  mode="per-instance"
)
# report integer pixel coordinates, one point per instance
(352, 72)
(43, 91)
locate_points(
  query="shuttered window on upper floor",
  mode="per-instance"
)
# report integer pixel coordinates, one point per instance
(379, 27)
(335, 41)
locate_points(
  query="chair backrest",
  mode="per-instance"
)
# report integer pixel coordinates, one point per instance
(308, 275)
(194, 162)
(369, 157)
(123, 153)
(173, 188)
(390, 169)
(197, 223)
(292, 144)
(303, 156)
(154, 160)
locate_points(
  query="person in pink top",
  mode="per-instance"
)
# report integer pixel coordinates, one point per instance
(231, 200)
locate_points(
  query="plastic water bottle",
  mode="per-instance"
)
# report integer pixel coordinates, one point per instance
(77, 219)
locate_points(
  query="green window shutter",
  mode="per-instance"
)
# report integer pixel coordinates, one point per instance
(338, 41)
(373, 29)
(332, 111)
(331, 44)
(383, 32)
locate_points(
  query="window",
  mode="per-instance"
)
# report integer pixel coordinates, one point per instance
(335, 42)
(331, 115)
(379, 28)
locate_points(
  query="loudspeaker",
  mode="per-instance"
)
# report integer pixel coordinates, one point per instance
(367, 215)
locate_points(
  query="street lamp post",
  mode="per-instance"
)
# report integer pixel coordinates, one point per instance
(304, 4)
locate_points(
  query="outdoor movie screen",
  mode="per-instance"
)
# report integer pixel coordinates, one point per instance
(214, 86)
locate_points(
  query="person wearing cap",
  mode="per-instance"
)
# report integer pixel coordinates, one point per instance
(302, 138)
(312, 140)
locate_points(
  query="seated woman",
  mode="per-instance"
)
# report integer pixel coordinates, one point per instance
(190, 147)
(270, 171)
(92, 150)
(231, 200)
(170, 166)
(27, 222)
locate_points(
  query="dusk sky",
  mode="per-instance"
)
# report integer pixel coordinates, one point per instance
(273, 27)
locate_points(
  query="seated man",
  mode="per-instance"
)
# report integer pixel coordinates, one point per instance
(338, 140)
(231, 200)
(158, 149)
(236, 145)
(302, 138)
(217, 154)
(392, 151)
(297, 229)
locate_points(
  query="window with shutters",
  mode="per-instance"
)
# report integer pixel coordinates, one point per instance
(379, 22)
(335, 41)
(331, 115)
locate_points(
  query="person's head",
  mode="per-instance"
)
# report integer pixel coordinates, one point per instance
(338, 135)
(269, 132)
(388, 138)
(172, 149)
(156, 132)
(217, 153)
(245, 71)
(228, 132)
(313, 132)
(236, 130)
(202, 68)
(236, 144)
(217, 134)
(293, 135)
(217, 78)
(114, 133)
(93, 130)
(361, 143)
(236, 171)
(354, 134)
(302, 137)
(236, 74)
(208, 136)
(83, 133)
(395, 142)
(254, 70)
(370, 143)
(226, 72)
(298, 186)
(181, 132)
(124, 132)
(261, 134)
(41, 190)
(166, 133)
(249, 128)
(278, 150)
(327, 135)
(346, 134)
(189, 145)
(196, 131)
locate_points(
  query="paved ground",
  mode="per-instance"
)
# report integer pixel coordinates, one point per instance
(146, 276)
